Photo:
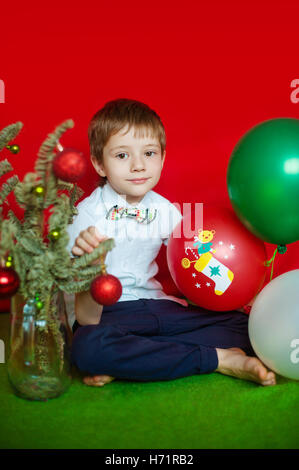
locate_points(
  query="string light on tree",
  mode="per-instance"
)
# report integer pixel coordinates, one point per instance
(13, 148)
(39, 190)
(9, 261)
(54, 235)
(38, 303)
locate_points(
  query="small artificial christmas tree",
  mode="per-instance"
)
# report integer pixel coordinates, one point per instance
(34, 250)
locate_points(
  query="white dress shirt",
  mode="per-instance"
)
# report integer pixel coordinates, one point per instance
(132, 259)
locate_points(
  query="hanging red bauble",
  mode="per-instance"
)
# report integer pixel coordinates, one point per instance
(9, 282)
(106, 289)
(69, 165)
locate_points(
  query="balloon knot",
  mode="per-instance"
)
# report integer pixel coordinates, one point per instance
(281, 249)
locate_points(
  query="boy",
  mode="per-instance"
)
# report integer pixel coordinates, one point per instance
(147, 335)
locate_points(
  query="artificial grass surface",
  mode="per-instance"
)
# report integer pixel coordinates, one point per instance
(209, 411)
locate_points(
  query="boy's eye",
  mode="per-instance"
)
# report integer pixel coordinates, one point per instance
(120, 155)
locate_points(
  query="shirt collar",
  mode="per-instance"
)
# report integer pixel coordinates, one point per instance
(111, 198)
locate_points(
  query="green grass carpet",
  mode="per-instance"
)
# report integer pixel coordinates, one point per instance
(209, 411)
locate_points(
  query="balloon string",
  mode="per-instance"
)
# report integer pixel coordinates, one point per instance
(281, 249)
(267, 263)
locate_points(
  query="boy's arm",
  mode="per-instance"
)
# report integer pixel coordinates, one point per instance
(87, 311)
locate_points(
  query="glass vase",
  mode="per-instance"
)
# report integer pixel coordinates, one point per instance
(39, 364)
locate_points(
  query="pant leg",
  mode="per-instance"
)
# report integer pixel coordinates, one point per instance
(75, 326)
(196, 325)
(223, 330)
(122, 346)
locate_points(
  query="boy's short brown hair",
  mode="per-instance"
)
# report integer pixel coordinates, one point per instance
(117, 114)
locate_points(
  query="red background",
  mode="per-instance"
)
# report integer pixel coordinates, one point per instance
(211, 70)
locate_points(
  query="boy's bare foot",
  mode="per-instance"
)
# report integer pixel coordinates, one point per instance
(232, 361)
(98, 380)
(236, 363)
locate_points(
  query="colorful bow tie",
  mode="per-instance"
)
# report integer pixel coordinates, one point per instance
(145, 216)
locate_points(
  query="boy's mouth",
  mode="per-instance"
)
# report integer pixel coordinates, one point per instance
(138, 180)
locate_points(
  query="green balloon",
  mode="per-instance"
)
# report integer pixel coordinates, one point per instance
(263, 180)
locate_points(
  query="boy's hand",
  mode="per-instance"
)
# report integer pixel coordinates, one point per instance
(86, 241)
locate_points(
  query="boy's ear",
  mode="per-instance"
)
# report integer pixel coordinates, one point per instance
(97, 166)
(163, 157)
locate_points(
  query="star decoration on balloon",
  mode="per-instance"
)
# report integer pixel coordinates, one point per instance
(215, 271)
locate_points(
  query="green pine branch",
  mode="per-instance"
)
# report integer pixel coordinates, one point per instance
(46, 152)
(5, 167)
(7, 188)
(9, 133)
(43, 263)
(6, 136)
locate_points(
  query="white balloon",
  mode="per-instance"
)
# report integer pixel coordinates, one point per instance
(273, 325)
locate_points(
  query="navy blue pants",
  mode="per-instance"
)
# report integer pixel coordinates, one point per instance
(149, 339)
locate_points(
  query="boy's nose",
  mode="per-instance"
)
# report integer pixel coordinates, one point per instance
(137, 164)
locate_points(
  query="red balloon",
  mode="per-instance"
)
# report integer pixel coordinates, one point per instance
(106, 289)
(69, 165)
(9, 282)
(220, 265)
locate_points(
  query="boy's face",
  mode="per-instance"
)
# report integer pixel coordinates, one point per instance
(128, 158)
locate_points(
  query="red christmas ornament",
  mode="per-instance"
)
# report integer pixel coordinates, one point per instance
(106, 289)
(218, 264)
(9, 282)
(69, 165)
